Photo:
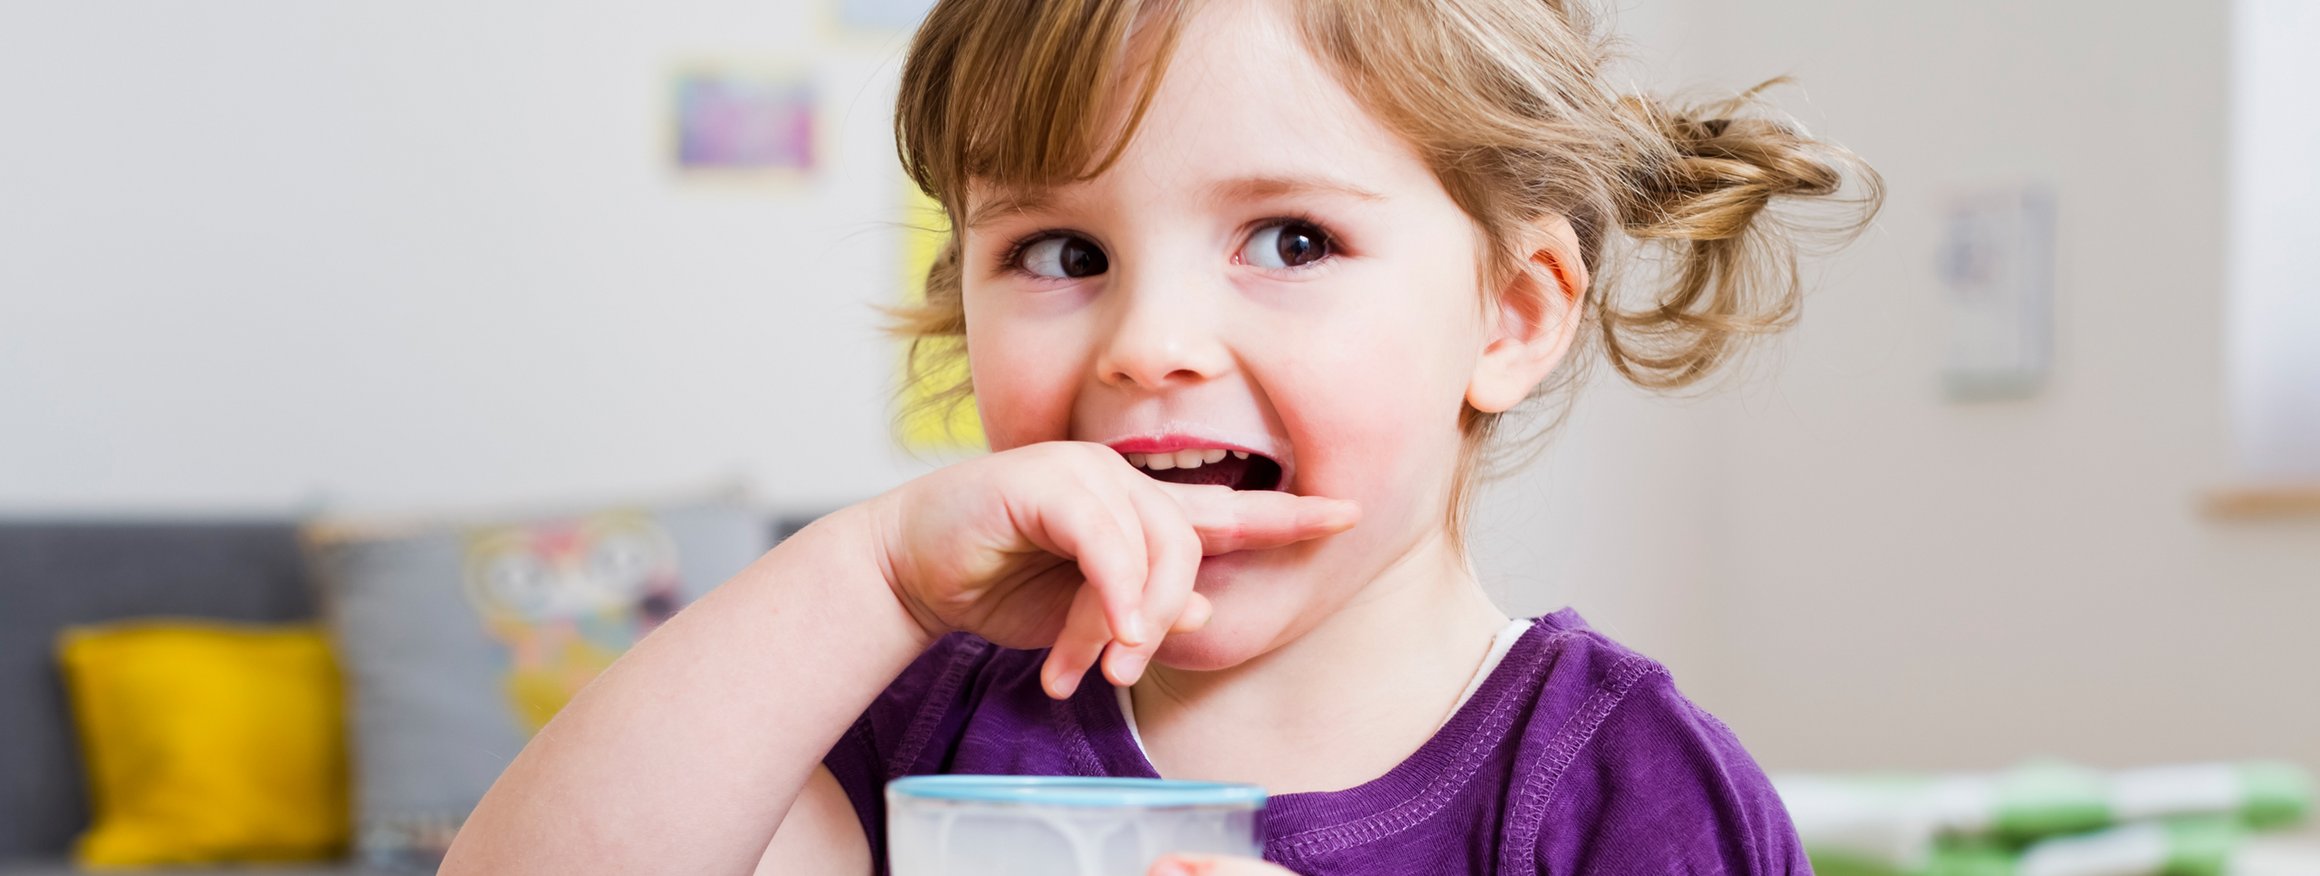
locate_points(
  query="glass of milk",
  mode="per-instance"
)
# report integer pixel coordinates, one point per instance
(1062, 826)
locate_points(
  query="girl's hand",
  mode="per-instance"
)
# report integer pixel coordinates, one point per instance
(1002, 545)
(1213, 865)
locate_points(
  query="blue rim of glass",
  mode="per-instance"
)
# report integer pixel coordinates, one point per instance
(1077, 791)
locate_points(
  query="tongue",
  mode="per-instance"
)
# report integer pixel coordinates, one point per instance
(1224, 472)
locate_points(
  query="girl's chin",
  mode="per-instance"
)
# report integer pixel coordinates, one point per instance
(1255, 596)
(1244, 625)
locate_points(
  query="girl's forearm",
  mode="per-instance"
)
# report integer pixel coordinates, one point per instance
(686, 753)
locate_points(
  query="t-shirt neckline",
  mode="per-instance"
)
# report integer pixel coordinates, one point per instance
(1448, 757)
(1500, 643)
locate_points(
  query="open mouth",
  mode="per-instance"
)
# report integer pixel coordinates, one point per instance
(1213, 466)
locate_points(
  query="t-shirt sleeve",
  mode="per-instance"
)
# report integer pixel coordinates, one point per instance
(1661, 786)
(908, 730)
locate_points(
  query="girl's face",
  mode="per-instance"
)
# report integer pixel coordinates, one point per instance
(1267, 267)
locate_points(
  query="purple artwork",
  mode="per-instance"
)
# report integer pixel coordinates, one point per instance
(747, 122)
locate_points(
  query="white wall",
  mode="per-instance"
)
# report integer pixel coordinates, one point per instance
(1904, 581)
(263, 255)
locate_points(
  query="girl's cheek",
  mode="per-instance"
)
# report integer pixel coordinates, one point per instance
(1025, 400)
(1362, 421)
(1013, 383)
(1010, 420)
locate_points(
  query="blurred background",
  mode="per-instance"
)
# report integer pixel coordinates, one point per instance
(2037, 475)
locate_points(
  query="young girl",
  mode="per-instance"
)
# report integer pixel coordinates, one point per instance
(1245, 289)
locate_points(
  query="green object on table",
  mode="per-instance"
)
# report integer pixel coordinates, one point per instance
(2047, 817)
(2200, 846)
(2278, 794)
(2048, 798)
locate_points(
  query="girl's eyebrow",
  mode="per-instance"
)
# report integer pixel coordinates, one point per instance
(1258, 188)
(1247, 188)
(1010, 204)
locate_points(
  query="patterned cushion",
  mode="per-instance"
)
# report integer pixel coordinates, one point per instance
(461, 640)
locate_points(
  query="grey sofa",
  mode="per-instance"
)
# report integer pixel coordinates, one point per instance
(55, 573)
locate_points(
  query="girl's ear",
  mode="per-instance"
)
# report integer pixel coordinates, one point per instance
(1536, 319)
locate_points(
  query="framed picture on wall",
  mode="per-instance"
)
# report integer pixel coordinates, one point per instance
(742, 121)
(1996, 265)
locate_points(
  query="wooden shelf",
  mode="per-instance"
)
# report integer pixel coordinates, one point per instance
(2268, 502)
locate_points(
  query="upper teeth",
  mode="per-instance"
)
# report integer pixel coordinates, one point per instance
(1186, 458)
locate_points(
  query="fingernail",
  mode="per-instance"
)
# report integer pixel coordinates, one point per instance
(1127, 667)
(1057, 683)
(1132, 632)
(1170, 867)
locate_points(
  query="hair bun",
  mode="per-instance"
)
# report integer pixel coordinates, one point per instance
(1704, 184)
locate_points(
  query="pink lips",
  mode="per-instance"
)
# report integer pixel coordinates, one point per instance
(1173, 443)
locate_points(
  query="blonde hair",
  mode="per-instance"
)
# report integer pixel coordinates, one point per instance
(1504, 99)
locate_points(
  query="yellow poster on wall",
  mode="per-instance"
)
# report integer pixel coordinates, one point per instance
(925, 424)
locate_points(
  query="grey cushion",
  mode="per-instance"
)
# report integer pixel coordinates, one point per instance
(53, 574)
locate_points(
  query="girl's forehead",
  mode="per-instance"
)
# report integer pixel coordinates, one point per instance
(1243, 97)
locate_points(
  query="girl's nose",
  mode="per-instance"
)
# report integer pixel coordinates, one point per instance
(1163, 331)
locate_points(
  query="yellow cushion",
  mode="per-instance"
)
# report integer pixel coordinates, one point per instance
(207, 742)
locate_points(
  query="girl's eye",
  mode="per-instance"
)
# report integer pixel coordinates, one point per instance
(1063, 258)
(1290, 244)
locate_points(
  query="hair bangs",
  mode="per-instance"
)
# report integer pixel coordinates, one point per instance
(1026, 94)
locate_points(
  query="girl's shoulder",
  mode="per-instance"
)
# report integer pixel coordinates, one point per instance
(1613, 763)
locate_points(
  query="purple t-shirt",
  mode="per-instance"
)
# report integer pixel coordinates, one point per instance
(1575, 755)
